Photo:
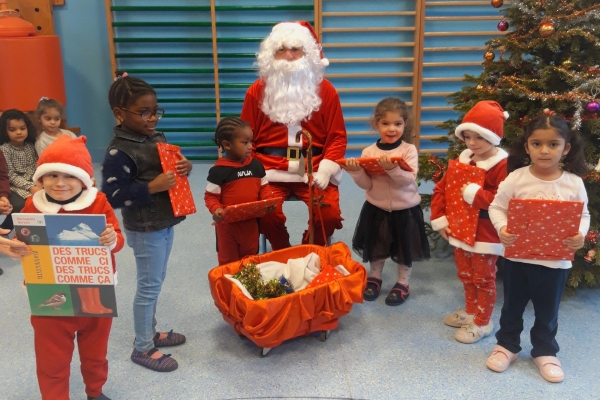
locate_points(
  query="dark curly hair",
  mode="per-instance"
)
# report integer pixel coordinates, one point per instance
(126, 89)
(227, 128)
(11, 115)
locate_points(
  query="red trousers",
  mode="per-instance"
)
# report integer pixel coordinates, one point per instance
(53, 341)
(236, 240)
(272, 225)
(477, 272)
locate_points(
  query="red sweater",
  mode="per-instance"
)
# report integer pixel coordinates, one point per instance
(232, 182)
(486, 239)
(90, 202)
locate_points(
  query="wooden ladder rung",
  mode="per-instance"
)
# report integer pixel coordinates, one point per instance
(459, 3)
(453, 64)
(355, 119)
(472, 33)
(370, 60)
(445, 79)
(465, 48)
(437, 108)
(436, 94)
(378, 44)
(432, 137)
(372, 29)
(465, 18)
(373, 104)
(376, 89)
(433, 151)
(431, 123)
(371, 75)
(368, 14)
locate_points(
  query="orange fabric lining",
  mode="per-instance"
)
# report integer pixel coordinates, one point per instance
(270, 322)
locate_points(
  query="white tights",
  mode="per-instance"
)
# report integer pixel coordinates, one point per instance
(403, 271)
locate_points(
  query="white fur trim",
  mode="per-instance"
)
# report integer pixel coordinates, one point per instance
(483, 132)
(293, 166)
(77, 172)
(470, 192)
(479, 247)
(506, 115)
(292, 131)
(439, 223)
(87, 198)
(324, 62)
(276, 175)
(465, 158)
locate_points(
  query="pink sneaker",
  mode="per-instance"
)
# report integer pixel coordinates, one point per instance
(500, 359)
(550, 368)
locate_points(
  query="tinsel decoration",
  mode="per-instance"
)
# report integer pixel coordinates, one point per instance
(252, 280)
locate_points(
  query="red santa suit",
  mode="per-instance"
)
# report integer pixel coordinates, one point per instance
(271, 143)
(54, 336)
(476, 264)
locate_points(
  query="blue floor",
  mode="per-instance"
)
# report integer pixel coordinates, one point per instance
(378, 352)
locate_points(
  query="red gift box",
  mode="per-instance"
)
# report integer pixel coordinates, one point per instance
(181, 197)
(252, 209)
(372, 167)
(462, 217)
(542, 225)
(327, 274)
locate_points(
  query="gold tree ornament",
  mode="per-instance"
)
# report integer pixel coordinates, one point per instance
(497, 3)
(479, 87)
(567, 63)
(547, 29)
(489, 56)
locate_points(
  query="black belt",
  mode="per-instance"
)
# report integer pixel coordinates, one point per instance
(291, 153)
(483, 214)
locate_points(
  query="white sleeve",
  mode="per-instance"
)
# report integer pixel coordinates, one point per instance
(498, 210)
(584, 225)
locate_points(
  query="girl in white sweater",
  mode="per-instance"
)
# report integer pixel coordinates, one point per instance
(546, 162)
(391, 223)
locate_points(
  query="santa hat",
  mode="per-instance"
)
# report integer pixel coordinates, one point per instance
(485, 118)
(69, 156)
(294, 32)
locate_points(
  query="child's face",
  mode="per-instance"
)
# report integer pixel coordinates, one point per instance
(546, 147)
(17, 132)
(240, 147)
(391, 127)
(50, 121)
(61, 186)
(478, 145)
(132, 119)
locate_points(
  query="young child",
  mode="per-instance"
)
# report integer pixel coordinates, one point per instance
(391, 223)
(546, 162)
(235, 178)
(49, 114)
(133, 180)
(17, 138)
(64, 171)
(482, 129)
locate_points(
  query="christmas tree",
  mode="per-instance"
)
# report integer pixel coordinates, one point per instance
(547, 63)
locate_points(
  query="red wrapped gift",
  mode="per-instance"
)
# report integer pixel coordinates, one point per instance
(252, 209)
(372, 167)
(462, 217)
(542, 225)
(327, 274)
(181, 197)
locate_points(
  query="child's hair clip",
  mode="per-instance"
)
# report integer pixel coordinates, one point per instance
(123, 75)
(548, 111)
(43, 98)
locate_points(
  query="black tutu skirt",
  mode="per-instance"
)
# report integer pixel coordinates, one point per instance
(399, 235)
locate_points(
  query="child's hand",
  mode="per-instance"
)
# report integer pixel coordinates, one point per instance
(445, 232)
(575, 242)
(507, 239)
(14, 248)
(270, 209)
(5, 206)
(162, 182)
(352, 165)
(218, 215)
(183, 166)
(109, 236)
(387, 163)
(34, 189)
(462, 190)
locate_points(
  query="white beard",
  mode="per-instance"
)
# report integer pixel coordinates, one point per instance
(291, 90)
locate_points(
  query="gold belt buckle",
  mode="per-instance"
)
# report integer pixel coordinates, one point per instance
(293, 153)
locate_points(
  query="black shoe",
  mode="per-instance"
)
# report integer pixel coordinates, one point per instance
(101, 397)
(163, 364)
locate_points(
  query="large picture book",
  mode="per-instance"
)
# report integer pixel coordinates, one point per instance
(181, 197)
(69, 273)
(542, 225)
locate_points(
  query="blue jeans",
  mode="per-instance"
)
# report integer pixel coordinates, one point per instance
(151, 251)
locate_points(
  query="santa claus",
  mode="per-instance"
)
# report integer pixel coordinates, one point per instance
(289, 96)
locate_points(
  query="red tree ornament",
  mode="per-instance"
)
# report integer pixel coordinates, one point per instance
(503, 26)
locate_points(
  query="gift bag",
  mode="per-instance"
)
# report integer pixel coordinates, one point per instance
(181, 197)
(542, 225)
(462, 217)
(372, 167)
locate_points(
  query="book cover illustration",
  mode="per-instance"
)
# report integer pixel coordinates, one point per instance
(542, 225)
(243, 211)
(462, 217)
(181, 197)
(372, 167)
(69, 273)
